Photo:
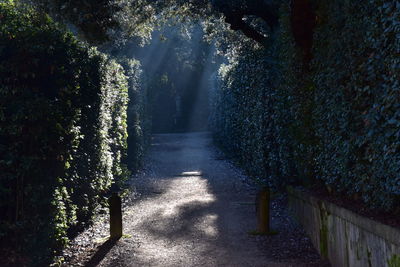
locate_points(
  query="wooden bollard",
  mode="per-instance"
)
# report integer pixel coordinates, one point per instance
(263, 211)
(115, 216)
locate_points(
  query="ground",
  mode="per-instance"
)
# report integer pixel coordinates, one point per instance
(192, 207)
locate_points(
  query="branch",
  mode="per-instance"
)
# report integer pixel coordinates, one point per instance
(237, 23)
(256, 8)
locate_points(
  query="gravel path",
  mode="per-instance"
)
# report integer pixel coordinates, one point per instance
(193, 208)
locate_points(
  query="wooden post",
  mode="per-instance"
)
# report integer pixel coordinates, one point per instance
(263, 211)
(115, 216)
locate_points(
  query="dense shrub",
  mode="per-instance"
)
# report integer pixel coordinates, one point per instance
(240, 111)
(63, 132)
(334, 120)
(357, 80)
(139, 124)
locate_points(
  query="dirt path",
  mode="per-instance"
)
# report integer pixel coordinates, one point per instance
(194, 209)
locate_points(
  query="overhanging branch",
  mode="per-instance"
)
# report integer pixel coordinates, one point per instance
(263, 11)
(237, 23)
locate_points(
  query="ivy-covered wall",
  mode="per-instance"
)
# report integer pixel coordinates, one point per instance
(331, 117)
(63, 132)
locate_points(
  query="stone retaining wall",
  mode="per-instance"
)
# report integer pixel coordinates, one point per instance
(346, 239)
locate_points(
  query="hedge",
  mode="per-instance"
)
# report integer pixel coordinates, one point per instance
(335, 121)
(139, 123)
(357, 80)
(240, 112)
(63, 133)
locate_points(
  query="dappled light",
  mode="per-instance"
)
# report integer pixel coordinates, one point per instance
(190, 210)
(199, 133)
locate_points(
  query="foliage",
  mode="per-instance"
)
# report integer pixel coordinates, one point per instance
(63, 132)
(64, 119)
(357, 116)
(105, 20)
(173, 60)
(239, 113)
(139, 124)
(93, 19)
(334, 121)
(111, 20)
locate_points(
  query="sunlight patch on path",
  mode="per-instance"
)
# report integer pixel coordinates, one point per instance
(192, 173)
(175, 224)
(183, 191)
(208, 225)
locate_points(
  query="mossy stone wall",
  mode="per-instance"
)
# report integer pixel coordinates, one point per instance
(346, 239)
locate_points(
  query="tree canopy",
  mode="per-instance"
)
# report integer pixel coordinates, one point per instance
(102, 20)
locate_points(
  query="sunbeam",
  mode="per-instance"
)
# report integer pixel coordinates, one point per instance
(178, 69)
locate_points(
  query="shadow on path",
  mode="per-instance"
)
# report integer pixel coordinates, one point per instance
(191, 213)
(101, 252)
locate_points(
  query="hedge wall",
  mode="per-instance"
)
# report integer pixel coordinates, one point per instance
(139, 123)
(356, 73)
(240, 109)
(63, 133)
(333, 120)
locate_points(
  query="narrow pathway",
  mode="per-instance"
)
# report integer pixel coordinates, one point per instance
(195, 209)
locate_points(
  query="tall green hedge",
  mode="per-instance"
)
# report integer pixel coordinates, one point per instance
(240, 114)
(335, 121)
(356, 73)
(139, 124)
(63, 132)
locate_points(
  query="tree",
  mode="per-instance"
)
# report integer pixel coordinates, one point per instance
(96, 20)
(235, 12)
